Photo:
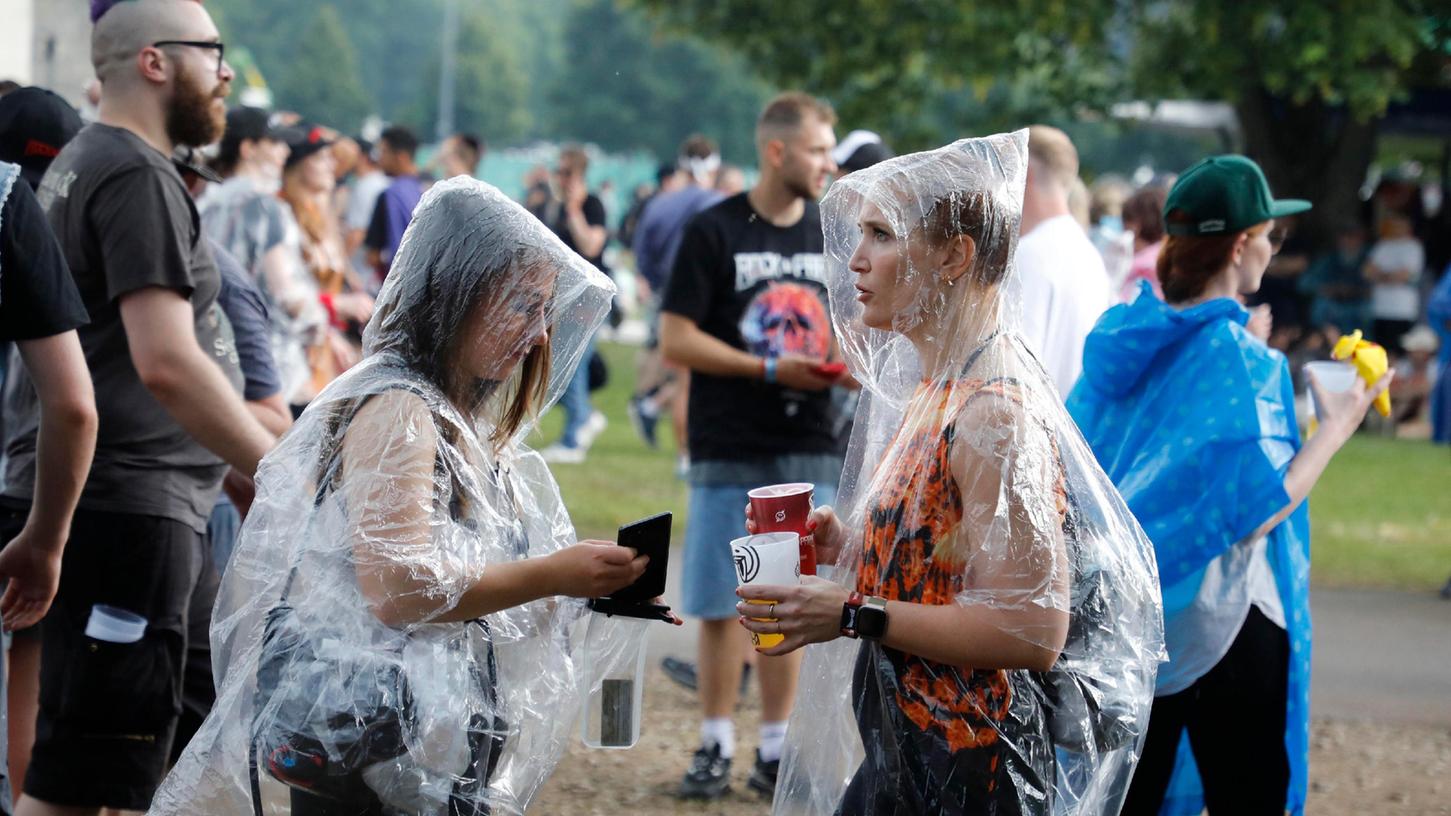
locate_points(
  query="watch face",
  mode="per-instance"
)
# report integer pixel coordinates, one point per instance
(871, 622)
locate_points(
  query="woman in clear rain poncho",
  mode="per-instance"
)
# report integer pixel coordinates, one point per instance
(1015, 668)
(387, 640)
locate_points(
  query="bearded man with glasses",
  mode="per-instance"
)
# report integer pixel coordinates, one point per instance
(172, 418)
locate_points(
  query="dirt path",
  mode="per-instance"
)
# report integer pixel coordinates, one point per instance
(1356, 768)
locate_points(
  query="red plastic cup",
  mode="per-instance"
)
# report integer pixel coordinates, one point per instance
(786, 508)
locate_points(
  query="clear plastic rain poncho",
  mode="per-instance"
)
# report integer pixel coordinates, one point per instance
(966, 483)
(397, 489)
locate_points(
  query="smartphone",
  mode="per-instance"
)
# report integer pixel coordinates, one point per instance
(649, 536)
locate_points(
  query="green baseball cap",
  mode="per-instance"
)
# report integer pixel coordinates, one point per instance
(1222, 195)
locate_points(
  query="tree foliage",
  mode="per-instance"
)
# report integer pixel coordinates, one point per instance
(491, 86)
(896, 67)
(626, 85)
(881, 59)
(584, 69)
(1308, 77)
(1355, 53)
(322, 80)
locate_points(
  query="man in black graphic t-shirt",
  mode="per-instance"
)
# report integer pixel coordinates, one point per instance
(745, 310)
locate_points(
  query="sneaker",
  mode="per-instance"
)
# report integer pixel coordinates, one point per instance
(709, 776)
(592, 428)
(763, 775)
(683, 673)
(644, 420)
(560, 455)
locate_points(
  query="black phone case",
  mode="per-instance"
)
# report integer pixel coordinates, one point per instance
(649, 536)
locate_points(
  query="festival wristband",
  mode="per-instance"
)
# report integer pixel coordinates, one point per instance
(768, 369)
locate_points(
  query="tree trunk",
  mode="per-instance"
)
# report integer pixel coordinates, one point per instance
(1313, 151)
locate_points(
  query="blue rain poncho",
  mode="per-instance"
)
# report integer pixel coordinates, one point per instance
(1194, 420)
(1438, 314)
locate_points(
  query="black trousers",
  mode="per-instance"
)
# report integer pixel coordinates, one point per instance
(1235, 715)
(109, 712)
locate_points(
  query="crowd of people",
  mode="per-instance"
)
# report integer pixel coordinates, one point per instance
(271, 521)
(1381, 271)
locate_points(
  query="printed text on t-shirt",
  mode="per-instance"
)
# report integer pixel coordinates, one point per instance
(754, 267)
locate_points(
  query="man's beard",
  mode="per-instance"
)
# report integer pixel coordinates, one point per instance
(801, 189)
(191, 119)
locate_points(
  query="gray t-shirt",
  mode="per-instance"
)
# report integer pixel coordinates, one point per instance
(126, 222)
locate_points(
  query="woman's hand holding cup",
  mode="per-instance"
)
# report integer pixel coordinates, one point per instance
(801, 615)
(822, 524)
(1340, 412)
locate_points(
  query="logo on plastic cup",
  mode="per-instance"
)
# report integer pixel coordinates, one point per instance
(780, 516)
(748, 563)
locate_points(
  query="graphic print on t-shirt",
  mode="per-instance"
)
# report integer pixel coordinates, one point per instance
(754, 267)
(760, 288)
(786, 318)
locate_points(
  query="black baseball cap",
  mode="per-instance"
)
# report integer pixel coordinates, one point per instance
(1223, 195)
(246, 124)
(304, 139)
(859, 150)
(34, 125)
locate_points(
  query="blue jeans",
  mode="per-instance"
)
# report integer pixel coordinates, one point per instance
(716, 514)
(222, 529)
(575, 401)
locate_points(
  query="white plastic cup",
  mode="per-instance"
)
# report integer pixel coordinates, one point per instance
(1333, 377)
(114, 625)
(769, 559)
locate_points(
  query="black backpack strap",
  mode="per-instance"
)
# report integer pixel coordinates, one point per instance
(254, 777)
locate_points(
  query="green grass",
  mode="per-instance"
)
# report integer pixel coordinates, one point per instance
(622, 480)
(1381, 514)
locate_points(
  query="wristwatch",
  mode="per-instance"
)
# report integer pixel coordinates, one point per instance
(864, 617)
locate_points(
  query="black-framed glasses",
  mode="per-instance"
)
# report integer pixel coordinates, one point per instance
(211, 46)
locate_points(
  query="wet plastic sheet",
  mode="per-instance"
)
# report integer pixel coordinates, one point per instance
(402, 484)
(967, 484)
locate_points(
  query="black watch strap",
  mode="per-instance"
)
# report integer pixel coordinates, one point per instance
(849, 615)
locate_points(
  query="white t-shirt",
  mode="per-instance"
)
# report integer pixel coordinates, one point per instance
(364, 198)
(1063, 290)
(361, 201)
(1397, 301)
(1198, 637)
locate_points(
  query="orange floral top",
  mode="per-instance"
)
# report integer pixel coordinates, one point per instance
(912, 552)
